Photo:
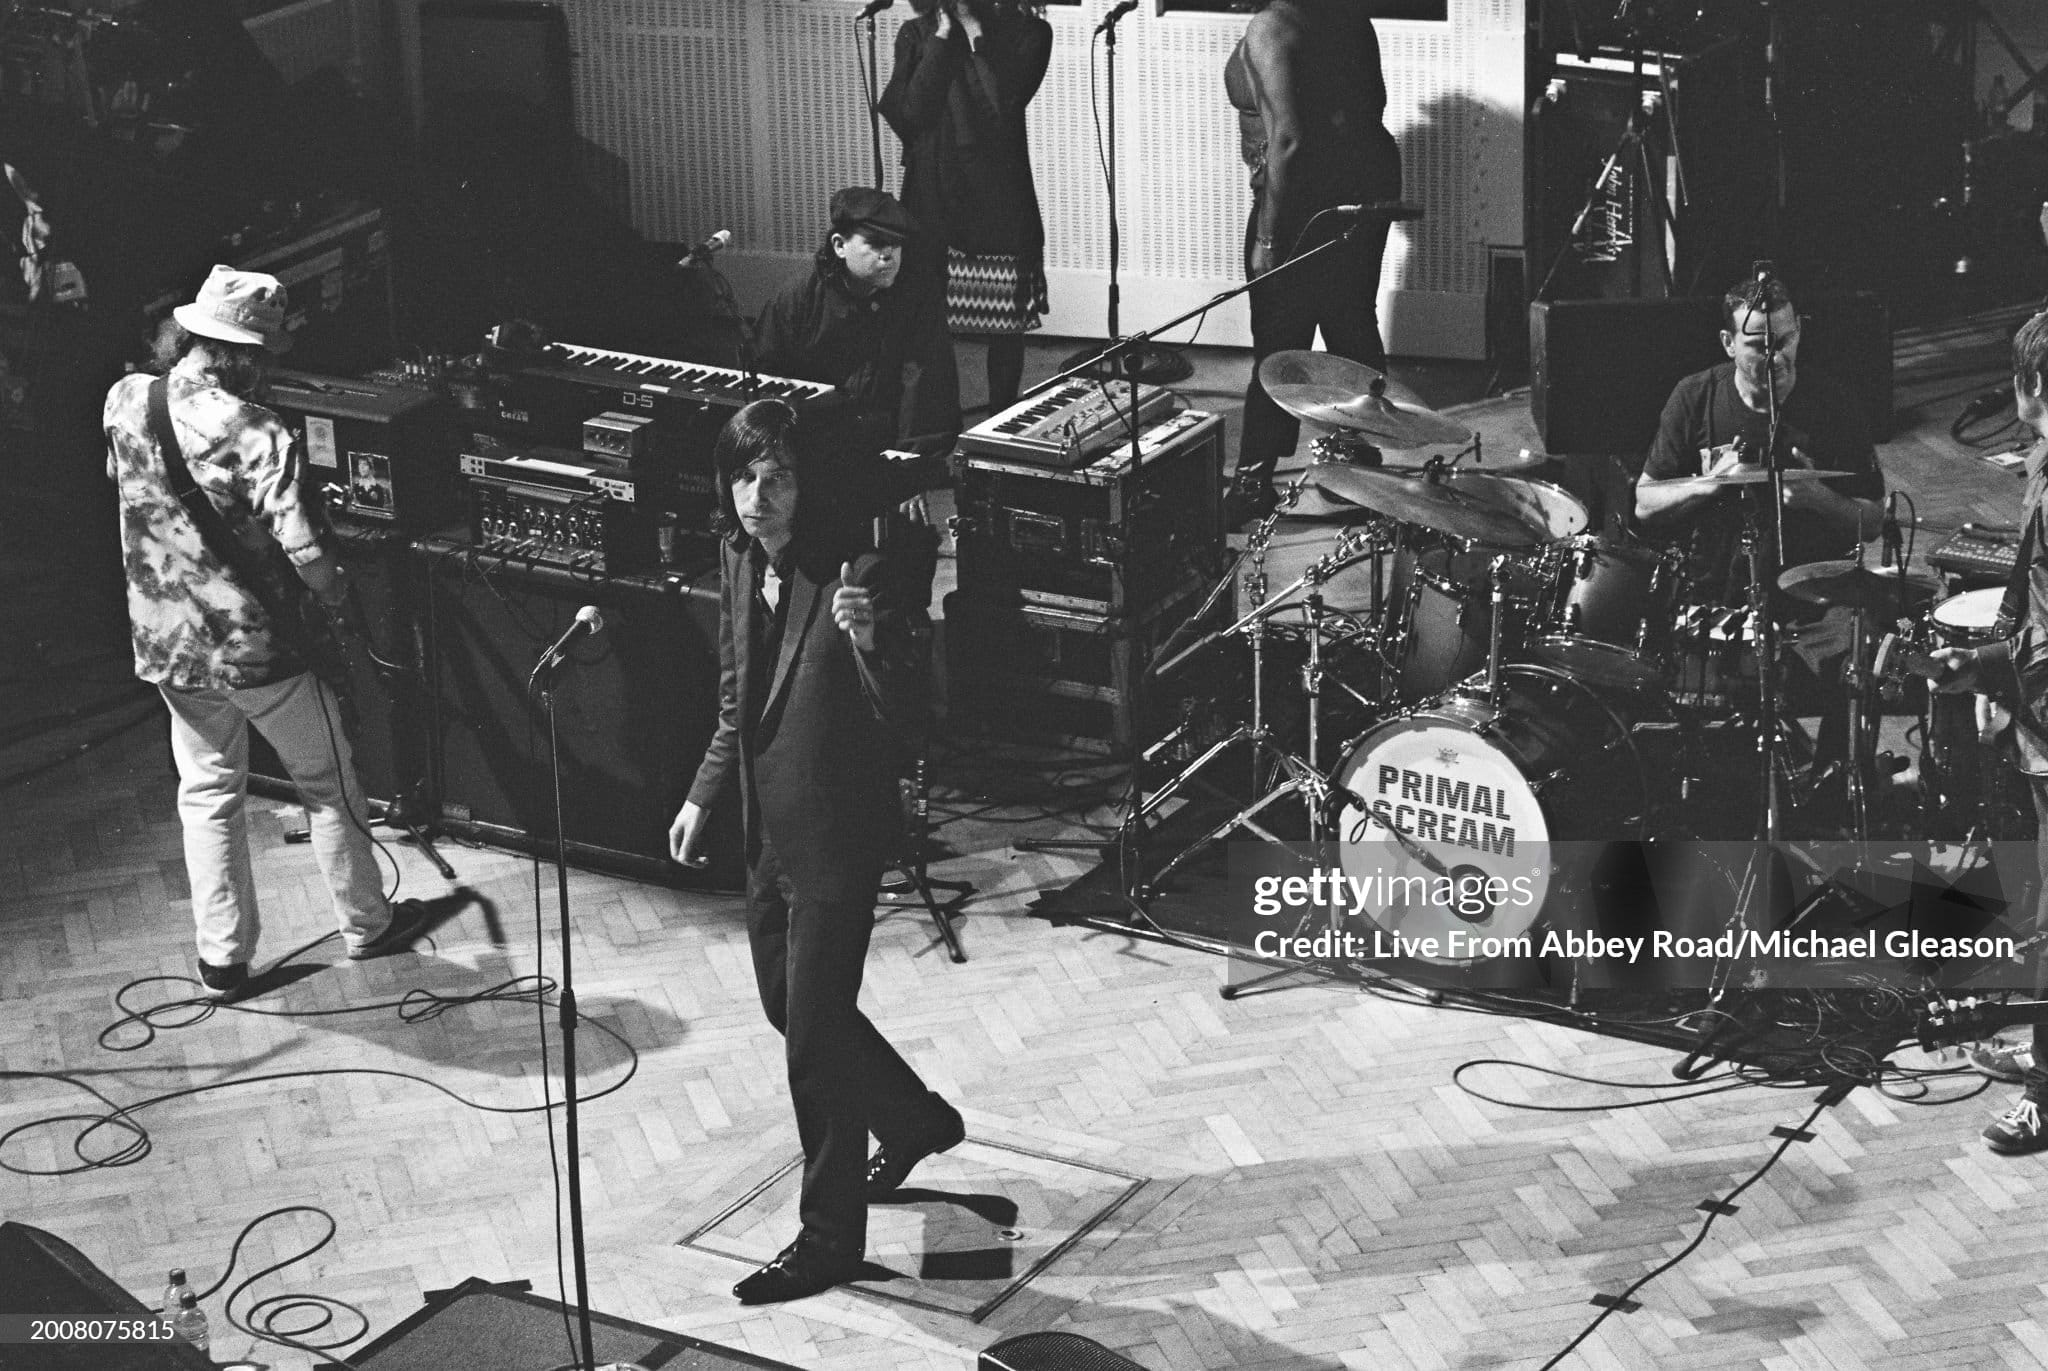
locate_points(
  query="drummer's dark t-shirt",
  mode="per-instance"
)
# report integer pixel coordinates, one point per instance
(1705, 410)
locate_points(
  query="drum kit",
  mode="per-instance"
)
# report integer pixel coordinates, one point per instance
(1495, 674)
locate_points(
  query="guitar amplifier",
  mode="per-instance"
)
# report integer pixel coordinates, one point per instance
(385, 452)
(1113, 537)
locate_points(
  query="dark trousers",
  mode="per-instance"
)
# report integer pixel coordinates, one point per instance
(844, 1078)
(1338, 291)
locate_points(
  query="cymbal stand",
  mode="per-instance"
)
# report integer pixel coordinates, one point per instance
(1302, 776)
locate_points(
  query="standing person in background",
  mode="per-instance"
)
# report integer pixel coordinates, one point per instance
(2015, 668)
(1306, 83)
(965, 72)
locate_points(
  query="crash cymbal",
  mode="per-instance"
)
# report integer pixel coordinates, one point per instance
(1326, 389)
(1876, 589)
(1459, 507)
(1750, 476)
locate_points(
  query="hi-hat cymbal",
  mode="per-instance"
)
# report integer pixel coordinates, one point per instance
(1749, 476)
(1325, 389)
(1876, 589)
(1467, 510)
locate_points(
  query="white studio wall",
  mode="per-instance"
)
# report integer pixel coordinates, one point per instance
(747, 114)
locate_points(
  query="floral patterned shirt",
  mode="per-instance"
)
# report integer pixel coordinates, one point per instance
(194, 627)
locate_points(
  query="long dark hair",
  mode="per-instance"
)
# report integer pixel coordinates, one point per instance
(800, 440)
(236, 368)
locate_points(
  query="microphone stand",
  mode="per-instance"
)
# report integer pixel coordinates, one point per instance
(540, 686)
(874, 79)
(1156, 364)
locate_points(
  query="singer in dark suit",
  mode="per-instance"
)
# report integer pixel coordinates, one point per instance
(822, 661)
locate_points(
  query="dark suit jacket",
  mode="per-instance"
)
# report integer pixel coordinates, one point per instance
(817, 759)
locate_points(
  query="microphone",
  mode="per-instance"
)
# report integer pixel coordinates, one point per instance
(872, 8)
(1764, 269)
(1109, 21)
(1891, 542)
(588, 622)
(1987, 404)
(1395, 211)
(702, 254)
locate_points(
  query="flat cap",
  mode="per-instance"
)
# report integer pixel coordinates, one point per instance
(874, 214)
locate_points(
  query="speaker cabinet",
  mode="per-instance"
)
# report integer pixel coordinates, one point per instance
(48, 1278)
(634, 707)
(1602, 369)
(1051, 1352)
(393, 746)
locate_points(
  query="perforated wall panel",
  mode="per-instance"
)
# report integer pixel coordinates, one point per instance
(747, 115)
(662, 86)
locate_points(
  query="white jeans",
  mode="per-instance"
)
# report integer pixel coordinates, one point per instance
(301, 719)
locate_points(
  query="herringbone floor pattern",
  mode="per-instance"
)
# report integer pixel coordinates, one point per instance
(1318, 1192)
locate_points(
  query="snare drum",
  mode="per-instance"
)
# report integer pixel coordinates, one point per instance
(1608, 609)
(1293, 549)
(1965, 778)
(1969, 619)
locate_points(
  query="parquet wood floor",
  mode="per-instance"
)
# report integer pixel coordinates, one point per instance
(1319, 1193)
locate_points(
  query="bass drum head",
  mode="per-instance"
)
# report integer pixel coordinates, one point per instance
(1493, 810)
(1474, 866)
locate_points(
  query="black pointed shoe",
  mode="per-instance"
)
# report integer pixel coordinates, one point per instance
(801, 1269)
(891, 1166)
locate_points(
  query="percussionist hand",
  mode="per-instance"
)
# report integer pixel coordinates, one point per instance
(853, 609)
(1724, 459)
(917, 510)
(1960, 670)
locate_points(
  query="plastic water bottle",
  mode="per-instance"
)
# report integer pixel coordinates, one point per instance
(175, 1291)
(190, 1321)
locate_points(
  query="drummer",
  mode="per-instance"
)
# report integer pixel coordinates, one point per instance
(1719, 418)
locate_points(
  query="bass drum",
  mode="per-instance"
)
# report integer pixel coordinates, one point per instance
(1478, 796)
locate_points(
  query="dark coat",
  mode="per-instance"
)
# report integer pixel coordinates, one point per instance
(960, 113)
(816, 760)
(888, 353)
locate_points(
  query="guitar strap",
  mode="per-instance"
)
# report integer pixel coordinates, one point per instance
(243, 566)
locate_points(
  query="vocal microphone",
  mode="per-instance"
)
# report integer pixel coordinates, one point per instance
(1109, 20)
(1891, 542)
(1394, 211)
(588, 622)
(702, 254)
(872, 8)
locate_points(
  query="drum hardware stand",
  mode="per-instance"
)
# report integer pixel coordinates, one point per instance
(1268, 760)
(915, 860)
(1129, 354)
